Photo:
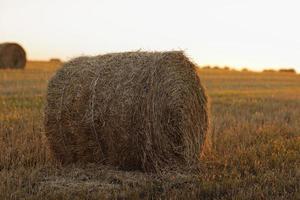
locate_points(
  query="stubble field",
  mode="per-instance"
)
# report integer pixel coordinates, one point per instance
(252, 152)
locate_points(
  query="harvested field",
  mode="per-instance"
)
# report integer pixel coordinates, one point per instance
(255, 151)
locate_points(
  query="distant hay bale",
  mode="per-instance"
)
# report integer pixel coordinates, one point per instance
(56, 60)
(269, 70)
(290, 70)
(135, 111)
(12, 55)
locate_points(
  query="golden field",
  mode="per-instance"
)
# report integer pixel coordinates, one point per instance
(252, 152)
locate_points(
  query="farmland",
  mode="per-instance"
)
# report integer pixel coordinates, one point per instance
(252, 151)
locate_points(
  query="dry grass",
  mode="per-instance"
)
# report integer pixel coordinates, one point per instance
(255, 152)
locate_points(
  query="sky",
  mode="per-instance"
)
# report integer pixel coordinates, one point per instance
(255, 34)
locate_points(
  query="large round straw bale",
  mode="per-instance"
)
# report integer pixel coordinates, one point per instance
(12, 55)
(135, 110)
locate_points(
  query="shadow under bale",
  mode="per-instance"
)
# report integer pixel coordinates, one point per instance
(12, 55)
(136, 110)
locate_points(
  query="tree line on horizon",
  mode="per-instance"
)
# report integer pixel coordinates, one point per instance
(284, 70)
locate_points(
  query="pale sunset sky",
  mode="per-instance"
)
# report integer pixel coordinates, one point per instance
(255, 34)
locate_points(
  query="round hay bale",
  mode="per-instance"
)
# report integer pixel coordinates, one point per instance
(55, 60)
(135, 111)
(12, 55)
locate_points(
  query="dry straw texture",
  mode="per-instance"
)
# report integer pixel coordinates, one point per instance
(12, 55)
(135, 110)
